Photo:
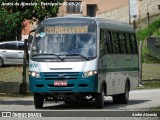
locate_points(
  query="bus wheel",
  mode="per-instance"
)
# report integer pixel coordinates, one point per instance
(1, 62)
(99, 100)
(125, 96)
(116, 99)
(38, 100)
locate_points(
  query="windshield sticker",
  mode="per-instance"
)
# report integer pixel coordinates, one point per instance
(66, 30)
(37, 35)
(42, 34)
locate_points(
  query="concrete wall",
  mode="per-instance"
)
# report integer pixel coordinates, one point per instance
(116, 9)
(122, 13)
(152, 6)
(104, 5)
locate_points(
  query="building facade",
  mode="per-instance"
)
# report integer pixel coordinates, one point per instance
(28, 26)
(109, 9)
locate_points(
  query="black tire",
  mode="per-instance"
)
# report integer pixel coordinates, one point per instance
(38, 100)
(99, 100)
(69, 102)
(1, 62)
(125, 96)
(116, 99)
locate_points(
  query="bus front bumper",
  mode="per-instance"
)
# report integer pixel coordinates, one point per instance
(80, 84)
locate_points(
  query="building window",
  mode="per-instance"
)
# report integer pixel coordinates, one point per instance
(74, 6)
(158, 7)
(91, 10)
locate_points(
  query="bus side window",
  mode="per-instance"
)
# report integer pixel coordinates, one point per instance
(134, 44)
(102, 42)
(131, 44)
(128, 43)
(109, 42)
(115, 42)
(122, 43)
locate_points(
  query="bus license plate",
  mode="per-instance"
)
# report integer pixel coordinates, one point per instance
(60, 83)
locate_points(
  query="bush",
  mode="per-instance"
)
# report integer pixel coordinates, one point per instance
(146, 32)
(142, 35)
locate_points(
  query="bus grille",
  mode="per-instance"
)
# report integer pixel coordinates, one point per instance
(60, 76)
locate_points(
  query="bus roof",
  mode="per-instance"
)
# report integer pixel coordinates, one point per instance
(101, 22)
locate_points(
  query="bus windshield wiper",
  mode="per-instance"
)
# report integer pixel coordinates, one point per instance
(77, 55)
(50, 54)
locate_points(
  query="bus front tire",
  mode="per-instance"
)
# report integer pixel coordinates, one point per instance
(99, 100)
(38, 100)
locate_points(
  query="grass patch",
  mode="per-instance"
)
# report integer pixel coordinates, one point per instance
(150, 72)
(155, 109)
(11, 74)
(151, 85)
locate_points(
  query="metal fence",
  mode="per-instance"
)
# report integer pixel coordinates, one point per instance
(154, 47)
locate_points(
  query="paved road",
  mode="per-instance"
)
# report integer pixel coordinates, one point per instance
(139, 100)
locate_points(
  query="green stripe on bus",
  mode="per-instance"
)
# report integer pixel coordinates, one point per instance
(118, 69)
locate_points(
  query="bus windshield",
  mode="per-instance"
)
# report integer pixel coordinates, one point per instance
(64, 41)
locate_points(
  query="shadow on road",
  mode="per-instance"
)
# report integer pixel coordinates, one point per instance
(91, 105)
(62, 106)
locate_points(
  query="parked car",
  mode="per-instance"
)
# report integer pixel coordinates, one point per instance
(11, 53)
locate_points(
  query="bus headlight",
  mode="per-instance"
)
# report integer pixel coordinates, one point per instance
(34, 74)
(89, 73)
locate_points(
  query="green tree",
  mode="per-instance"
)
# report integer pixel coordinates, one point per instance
(13, 13)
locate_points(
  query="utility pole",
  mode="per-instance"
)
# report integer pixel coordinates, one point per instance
(129, 12)
(134, 22)
(148, 20)
(27, 42)
(140, 64)
(23, 86)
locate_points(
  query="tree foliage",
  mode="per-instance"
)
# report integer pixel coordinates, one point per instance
(8, 22)
(13, 13)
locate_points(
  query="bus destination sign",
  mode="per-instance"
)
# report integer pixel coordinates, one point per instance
(65, 30)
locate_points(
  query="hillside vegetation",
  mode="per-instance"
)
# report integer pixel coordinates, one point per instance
(153, 30)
